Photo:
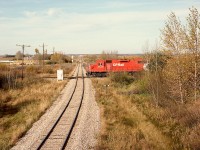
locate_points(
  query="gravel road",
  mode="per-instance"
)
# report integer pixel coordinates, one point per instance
(84, 135)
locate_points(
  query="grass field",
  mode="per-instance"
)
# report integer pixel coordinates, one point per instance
(130, 119)
(124, 126)
(21, 106)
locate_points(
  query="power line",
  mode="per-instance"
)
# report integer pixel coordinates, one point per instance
(23, 46)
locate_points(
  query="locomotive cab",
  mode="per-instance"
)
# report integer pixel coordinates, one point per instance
(97, 69)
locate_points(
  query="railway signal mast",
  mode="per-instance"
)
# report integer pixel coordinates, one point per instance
(23, 46)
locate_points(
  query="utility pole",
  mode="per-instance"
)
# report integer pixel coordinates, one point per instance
(43, 57)
(23, 57)
(53, 50)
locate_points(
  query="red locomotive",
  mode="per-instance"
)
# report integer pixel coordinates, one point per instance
(102, 67)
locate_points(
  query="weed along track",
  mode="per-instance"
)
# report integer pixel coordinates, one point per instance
(58, 135)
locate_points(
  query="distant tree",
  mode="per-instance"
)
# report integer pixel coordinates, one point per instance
(57, 58)
(37, 51)
(38, 56)
(109, 55)
(104, 55)
(90, 58)
(114, 54)
(67, 59)
(18, 55)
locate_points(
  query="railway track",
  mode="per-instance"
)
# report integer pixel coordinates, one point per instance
(58, 135)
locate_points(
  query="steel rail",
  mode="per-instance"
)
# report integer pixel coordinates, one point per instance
(58, 119)
(75, 119)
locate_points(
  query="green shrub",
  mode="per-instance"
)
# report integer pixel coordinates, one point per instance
(142, 85)
(121, 78)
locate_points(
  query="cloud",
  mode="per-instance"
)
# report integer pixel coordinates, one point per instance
(51, 12)
(54, 11)
(87, 25)
(57, 23)
(127, 4)
(30, 14)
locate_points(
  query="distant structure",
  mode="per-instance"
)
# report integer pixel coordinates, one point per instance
(6, 61)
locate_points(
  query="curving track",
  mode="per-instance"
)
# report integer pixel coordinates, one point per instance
(58, 135)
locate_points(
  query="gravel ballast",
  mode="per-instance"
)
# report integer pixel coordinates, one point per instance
(84, 135)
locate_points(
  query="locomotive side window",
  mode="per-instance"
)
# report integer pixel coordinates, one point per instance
(124, 60)
(100, 64)
(108, 61)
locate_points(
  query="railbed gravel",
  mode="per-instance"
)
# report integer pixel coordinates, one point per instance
(84, 135)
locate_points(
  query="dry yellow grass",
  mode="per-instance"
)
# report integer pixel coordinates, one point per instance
(125, 127)
(179, 122)
(22, 106)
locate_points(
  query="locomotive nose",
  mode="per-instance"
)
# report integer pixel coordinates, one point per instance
(145, 66)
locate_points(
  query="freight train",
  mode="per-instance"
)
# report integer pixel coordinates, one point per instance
(103, 67)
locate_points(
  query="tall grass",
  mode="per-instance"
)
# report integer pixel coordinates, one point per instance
(124, 126)
(49, 69)
(131, 120)
(22, 105)
(179, 122)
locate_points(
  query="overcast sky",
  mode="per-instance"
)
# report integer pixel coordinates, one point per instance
(85, 26)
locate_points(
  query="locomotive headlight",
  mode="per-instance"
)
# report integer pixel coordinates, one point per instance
(145, 66)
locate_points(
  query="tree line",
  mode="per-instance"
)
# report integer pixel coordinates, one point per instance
(174, 63)
(55, 58)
